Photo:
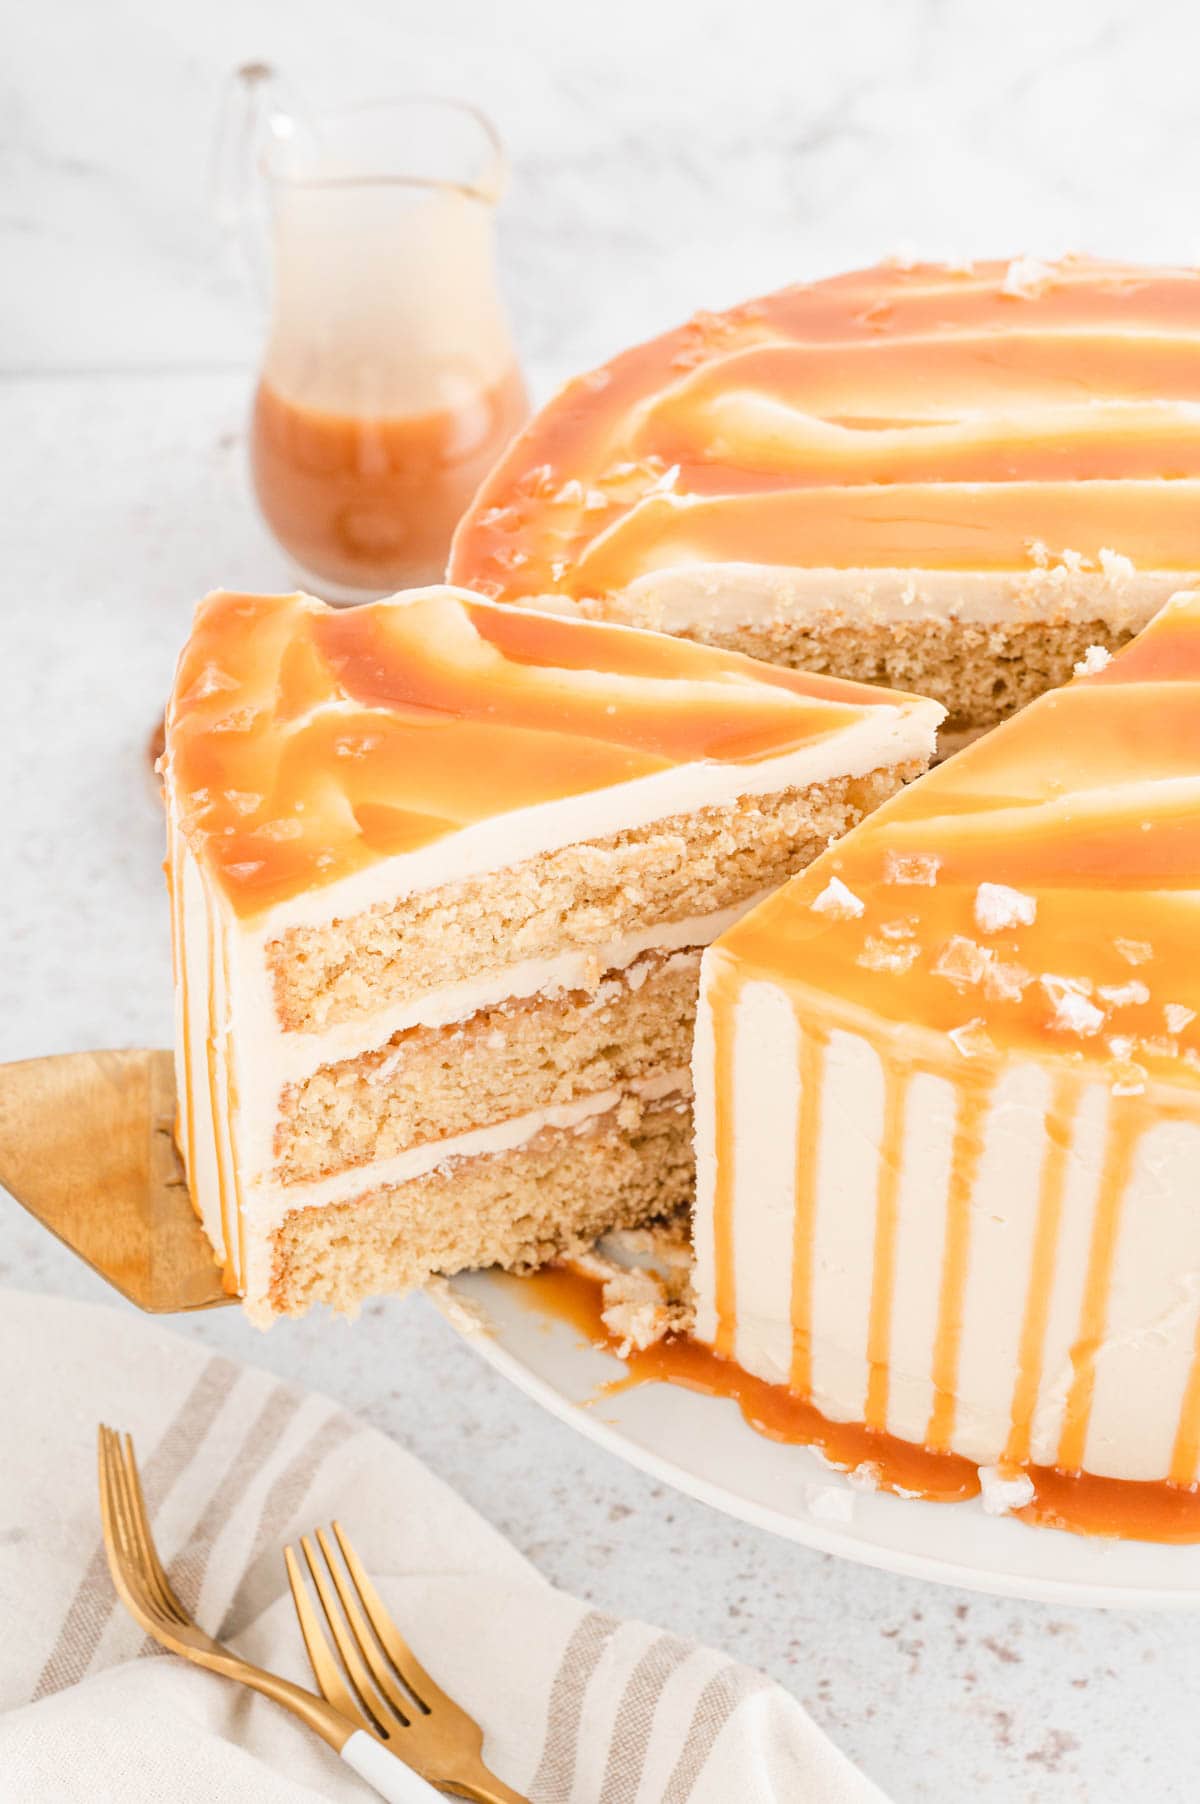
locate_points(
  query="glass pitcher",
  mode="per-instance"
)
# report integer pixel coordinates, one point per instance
(389, 383)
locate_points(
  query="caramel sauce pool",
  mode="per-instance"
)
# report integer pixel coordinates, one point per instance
(1079, 1502)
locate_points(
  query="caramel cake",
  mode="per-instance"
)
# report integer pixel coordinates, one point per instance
(441, 872)
(948, 1098)
(950, 479)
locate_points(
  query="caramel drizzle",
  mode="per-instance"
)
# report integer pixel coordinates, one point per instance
(973, 1101)
(1186, 1451)
(231, 1115)
(1060, 1121)
(1125, 1127)
(883, 1277)
(811, 1074)
(184, 1141)
(216, 1074)
(722, 1001)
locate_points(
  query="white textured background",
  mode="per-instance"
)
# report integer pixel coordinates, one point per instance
(666, 156)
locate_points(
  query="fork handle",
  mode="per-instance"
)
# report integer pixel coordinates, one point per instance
(389, 1776)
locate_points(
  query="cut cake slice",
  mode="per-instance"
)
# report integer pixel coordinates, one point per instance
(440, 876)
(948, 1095)
(951, 478)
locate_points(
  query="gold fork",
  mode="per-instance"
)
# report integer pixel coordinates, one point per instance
(390, 1696)
(150, 1598)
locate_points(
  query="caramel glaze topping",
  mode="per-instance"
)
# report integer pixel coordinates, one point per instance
(986, 417)
(305, 743)
(1038, 892)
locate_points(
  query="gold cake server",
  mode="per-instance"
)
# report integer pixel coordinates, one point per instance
(86, 1144)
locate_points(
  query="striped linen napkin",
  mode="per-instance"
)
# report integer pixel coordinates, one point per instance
(578, 1707)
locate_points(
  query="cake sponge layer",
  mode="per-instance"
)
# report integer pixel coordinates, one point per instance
(981, 673)
(584, 895)
(553, 1196)
(429, 1083)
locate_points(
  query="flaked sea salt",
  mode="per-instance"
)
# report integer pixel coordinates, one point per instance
(1134, 952)
(972, 1039)
(917, 868)
(962, 962)
(1093, 660)
(840, 903)
(1074, 1013)
(1177, 1015)
(997, 907)
(1124, 995)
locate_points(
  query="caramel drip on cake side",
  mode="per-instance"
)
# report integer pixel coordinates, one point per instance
(810, 1080)
(723, 993)
(894, 418)
(974, 1100)
(1127, 1120)
(896, 1086)
(811, 1083)
(1060, 1123)
(214, 1042)
(238, 1274)
(1185, 1455)
(186, 1141)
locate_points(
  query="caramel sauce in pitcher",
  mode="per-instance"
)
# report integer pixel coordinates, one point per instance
(370, 501)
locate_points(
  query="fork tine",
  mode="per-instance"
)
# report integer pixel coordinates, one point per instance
(325, 1668)
(407, 1704)
(122, 1557)
(429, 1695)
(142, 1535)
(380, 1711)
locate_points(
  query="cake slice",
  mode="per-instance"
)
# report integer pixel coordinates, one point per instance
(440, 876)
(950, 479)
(948, 1095)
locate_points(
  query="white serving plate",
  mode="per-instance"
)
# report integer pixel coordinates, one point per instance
(702, 1446)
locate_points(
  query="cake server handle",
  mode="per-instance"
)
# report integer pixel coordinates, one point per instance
(385, 1772)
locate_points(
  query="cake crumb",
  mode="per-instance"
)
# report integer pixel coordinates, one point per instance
(830, 1503)
(840, 903)
(636, 1305)
(1003, 1489)
(997, 907)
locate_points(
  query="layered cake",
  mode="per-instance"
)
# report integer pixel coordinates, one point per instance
(441, 872)
(949, 479)
(948, 1097)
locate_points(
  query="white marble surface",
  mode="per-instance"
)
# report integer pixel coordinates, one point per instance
(666, 156)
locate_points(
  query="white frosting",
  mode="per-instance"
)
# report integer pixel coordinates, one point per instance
(1153, 1303)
